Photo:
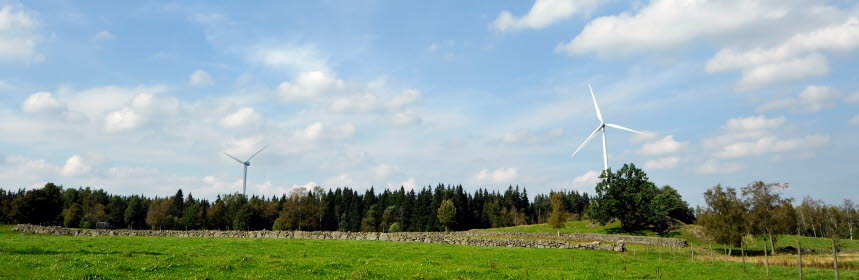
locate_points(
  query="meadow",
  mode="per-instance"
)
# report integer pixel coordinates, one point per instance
(32, 256)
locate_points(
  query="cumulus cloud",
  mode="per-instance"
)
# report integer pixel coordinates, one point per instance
(836, 38)
(716, 167)
(758, 135)
(812, 99)
(662, 163)
(408, 185)
(854, 120)
(663, 146)
(42, 102)
(18, 35)
(543, 13)
(122, 120)
(501, 175)
(241, 117)
(783, 71)
(590, 178)
(529, 136)
(76, 166)
(200, 78)
(318, 130)
(667, 23)
(308, 85)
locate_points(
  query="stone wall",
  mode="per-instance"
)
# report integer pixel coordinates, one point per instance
(656, 241)
(462, 238)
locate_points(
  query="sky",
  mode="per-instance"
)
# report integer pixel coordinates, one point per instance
(145, 97)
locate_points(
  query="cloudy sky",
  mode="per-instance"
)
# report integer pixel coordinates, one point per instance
(146, 98)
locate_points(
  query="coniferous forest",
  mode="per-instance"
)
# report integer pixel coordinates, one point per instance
(341, 209)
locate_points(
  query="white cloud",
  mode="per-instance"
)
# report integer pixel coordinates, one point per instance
(543, 13)
(407, 185)
(855, 120)
(501, 175)
(104, 35)
(201, 78)
(852, 98)
(408, 97)
(755, 123)
(76, 166)
(590, 178)
(241, 117)
(662, 163)
(644, 136)
(122, 120)
(42, 102)
(812, 99)
(667, 23)
(18, 37)
(783, 71)
(663, 146)
(383, 170)
(716, 167)
(291, 57)
(318, 130)
(308, 85)
(839, 37)
(767, 145)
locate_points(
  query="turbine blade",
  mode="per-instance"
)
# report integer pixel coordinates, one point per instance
(599, 114)
(234, 158)
(255, 154)
(624, 128)
(587, 140)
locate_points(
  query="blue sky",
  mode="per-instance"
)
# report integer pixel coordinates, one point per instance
(146, 97)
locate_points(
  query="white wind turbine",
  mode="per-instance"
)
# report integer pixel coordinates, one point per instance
(601, 127)
(246, 164)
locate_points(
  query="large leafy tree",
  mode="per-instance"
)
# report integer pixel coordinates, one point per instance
(724, 217)
(626, 195)
(768, 213)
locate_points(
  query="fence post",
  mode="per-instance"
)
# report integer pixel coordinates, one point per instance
(743, 253)
(835, 258)
(766, 258)
(799, 256)
(712, 256)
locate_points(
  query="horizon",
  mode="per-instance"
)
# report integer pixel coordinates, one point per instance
(147, 97)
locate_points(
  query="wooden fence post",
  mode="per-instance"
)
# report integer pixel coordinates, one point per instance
(712, 256)
(799, 256)
(743, 253)
(835, 258)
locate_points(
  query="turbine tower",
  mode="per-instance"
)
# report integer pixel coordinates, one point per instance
(601, 127)
(246, 164)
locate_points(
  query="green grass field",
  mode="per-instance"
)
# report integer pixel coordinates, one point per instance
(29, 256)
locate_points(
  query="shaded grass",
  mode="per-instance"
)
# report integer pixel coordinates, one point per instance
(30, 256)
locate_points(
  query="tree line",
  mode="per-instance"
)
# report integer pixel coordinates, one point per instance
(342, 209)
(758, 211)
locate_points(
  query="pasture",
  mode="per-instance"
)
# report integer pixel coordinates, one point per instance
(32, 256)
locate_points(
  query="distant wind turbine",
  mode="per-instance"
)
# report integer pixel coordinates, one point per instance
(601, 127)
(246, 164)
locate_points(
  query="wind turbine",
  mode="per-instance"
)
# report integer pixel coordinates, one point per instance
(246, 164)
(601, 127)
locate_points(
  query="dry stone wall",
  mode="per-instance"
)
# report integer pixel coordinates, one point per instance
(655, 241)
(462, 238)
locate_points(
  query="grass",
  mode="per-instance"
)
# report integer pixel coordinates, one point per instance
(31, 256)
